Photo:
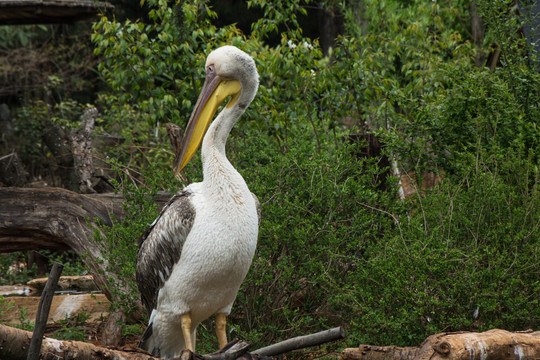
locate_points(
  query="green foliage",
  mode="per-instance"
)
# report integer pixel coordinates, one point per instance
(277, 15)
(72, 265)
(12, 37)
(466, 245)
(337, 246)
(5, 304)
(24, 323)
(11, 274)
(72, 328)
(320, 213)
(151, 66)
(132, 330)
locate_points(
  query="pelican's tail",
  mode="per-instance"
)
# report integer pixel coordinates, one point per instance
(145, 339)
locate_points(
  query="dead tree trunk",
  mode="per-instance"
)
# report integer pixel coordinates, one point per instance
(55, 218)
(14, 344)
(74, 154)
(81, 144)
(59, 142)
(477, 27)
(492, 344)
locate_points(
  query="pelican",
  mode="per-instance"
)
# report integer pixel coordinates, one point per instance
(193, 258)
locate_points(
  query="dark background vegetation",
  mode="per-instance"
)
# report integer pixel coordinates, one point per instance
(449, 87)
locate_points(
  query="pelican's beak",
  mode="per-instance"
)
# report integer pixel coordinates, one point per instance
(214, 92)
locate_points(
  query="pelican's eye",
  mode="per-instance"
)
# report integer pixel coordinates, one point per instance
(210, 69)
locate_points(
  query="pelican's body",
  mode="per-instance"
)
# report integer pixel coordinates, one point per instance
(194, 257)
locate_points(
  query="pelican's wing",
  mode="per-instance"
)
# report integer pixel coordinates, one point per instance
(161, 245)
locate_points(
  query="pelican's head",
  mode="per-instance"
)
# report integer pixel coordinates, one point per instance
(230, 72)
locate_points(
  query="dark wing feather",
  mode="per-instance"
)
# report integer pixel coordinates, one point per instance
(161, 245)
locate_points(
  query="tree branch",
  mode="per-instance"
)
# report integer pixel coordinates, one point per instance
(301, 342)
(55, 218)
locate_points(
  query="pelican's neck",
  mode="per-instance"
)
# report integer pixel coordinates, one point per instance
(220, 178)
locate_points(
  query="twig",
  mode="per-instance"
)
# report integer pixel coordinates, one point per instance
(300, 342)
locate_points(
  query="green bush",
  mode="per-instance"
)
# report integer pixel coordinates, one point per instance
(464, 246)
(320, 213)
(334, 250)
(336, 247)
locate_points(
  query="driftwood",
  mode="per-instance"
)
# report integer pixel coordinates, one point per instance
(301, 342)
(14, 342)
(55, 218)
(59, 219)
(43, 312)
(493, 344)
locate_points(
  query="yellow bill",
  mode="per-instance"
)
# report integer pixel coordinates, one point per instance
(214, 92)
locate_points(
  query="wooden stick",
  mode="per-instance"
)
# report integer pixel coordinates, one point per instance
(43, 312)
(300, 342)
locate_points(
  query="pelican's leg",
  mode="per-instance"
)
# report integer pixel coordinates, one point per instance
(186, 331)
(221, 329)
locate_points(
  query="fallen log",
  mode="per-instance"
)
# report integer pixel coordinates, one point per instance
(55, 218)
(59, 219)
(14, 342)
(492, 344)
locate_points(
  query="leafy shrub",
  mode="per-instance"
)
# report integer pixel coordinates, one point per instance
(72, 328)
(5, 304)
(335, 249)
(461, 248)
(321, 211)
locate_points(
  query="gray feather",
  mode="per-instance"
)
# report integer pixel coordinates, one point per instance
(161, 245)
